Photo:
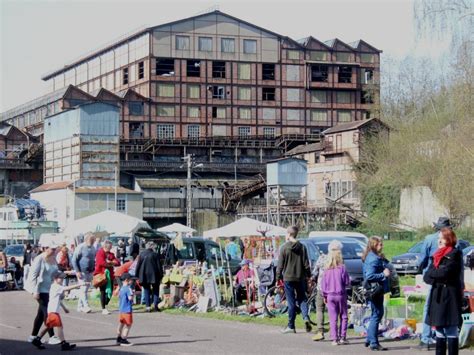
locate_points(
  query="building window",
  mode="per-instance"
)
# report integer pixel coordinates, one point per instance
(293, 73)
(165, 131)
(268, 71)
(227, 45)
(366, 98)
(218, 69)
(193, 131)
(318, 96)
(245, 113)
(319, 115)
(193, 68)
(149, 203)
(344, 116)
(182, 43)
(243, 71)
(244, 93)
(164, 67)
(268, 114)
(244, 131)
(250, 46)
(218, 92)
(165, 90)
(345, 74)
(218, 112)
(121, 205)
(343, 97)
(165, 110)
(125, 76)
(204, 203)
(319, 73)
(268, 94)
(135, 108)
(293, 95)
(367, 58)
(194, 91)
(141, 70)
(343, 57)
(367, 76)
(175, 202)
(205, 44)
(293, 115)
(292, 54)
(318, 55)
(135, 129)
(194, 111)
(269, 132)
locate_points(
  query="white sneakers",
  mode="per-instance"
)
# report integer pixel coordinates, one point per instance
(105, 312)
(54, 340)
(31, 338)
(86, 310)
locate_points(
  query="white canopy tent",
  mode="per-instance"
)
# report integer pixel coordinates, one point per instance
(106, 221)
(176, 228)
(246, 227)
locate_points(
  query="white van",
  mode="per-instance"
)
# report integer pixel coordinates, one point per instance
(340, 234)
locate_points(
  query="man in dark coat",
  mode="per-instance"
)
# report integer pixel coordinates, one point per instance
(150, 273)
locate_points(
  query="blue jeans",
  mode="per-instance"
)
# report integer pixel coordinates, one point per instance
(295, 291)
(427, 334)
(447, 332)
(148, 289)
(376, 306)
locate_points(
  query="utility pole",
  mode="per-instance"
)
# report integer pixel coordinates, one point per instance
(189, 199)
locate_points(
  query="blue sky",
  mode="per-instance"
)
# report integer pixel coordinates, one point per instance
(38, 36)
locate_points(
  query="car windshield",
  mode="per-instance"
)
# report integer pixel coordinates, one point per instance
(416, 248)
(16, 250)
(349, 250)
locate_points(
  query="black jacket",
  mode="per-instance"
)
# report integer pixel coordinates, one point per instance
(149, 268)
(293, 262)
(446, 292)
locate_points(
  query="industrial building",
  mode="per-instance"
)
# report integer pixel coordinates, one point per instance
(232, 94)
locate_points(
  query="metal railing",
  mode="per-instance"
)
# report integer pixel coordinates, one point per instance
(178, 166)
(13, 164)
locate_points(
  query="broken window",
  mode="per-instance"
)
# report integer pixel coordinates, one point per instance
(319, 73)
(367, 76)
(218, 112)
(141, 70)
(268, 94)
(165, 110)
(366, 98)
(164, 67)
(319, 97)
(268, 71)
(135, 129)
(125, 76)
(193, 68)
(345, 74)
(218, 92)
(182, 43)
(218, 69)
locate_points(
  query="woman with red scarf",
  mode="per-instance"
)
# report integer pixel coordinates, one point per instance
(444, 311)
(105, 260)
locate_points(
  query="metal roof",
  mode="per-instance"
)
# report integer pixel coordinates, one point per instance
(305, 148)
(52, 186)
(352, 125)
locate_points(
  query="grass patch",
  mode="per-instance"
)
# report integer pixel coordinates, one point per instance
(396, 247)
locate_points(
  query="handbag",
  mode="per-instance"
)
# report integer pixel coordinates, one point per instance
(372, 290)
(99, 280)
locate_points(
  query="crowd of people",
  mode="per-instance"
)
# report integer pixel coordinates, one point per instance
(46, 272)
(443, 272)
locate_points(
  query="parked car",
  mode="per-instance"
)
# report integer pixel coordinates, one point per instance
(352, 251)
(15, 250)
(200, 249)
(340, 234)
(468, 256)
(312, 251)
(410, 262)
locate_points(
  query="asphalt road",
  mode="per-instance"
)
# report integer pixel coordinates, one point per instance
(163, 334)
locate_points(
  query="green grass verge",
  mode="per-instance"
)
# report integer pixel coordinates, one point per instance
(396, 247)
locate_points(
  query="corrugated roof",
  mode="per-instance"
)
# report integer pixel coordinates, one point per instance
(352, 125)
(52, 186)
(104, 190)
(305, 148)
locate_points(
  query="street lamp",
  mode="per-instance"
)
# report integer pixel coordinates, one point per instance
(189, 200)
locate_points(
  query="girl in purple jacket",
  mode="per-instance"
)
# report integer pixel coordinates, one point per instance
(334, 283)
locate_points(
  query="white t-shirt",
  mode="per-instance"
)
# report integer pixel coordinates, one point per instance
(55, 293)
